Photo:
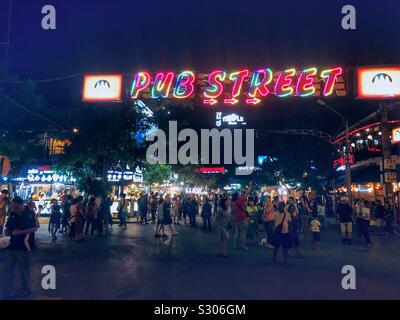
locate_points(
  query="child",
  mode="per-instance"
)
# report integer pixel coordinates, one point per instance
(315, 229)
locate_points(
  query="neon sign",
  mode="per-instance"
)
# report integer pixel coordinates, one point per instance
(229, 88)
(102, 87)
(342, 161)
(378, 83)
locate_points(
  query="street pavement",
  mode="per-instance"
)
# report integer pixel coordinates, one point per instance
(132, 264)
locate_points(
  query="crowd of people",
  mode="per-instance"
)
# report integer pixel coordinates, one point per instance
(251, 218)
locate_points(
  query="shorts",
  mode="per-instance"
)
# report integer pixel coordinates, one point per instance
(346, 226)
(316, 236)
(284, 240)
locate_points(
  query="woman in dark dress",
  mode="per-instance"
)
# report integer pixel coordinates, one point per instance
(167, 220)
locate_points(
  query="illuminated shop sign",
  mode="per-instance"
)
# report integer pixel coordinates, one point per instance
(338, 163)
(396, 135)
(210, 170)
(231, 119)
(378, 83)
(102, 87)
(48, 176)
(222, 87)
(125, 176)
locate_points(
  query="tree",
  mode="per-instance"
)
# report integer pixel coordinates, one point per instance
(104, 137)
(157, 173)
(297, 160)
(24, 120)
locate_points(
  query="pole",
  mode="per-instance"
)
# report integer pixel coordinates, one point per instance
(348, 166)
(386, 152)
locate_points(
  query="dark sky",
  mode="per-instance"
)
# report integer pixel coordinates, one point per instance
(128, 35)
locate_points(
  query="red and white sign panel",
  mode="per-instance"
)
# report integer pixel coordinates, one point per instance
(378, 83)
(102, 87)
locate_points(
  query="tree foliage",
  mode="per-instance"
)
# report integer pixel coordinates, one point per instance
(157, 173)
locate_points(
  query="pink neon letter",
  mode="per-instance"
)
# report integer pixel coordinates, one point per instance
(238, 78)
(330, 75)
(258, 86)
(140, 82)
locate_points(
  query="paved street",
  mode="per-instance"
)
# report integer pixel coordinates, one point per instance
(132, 264)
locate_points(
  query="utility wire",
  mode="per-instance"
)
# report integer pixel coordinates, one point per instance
(45, 80)
(29, 111)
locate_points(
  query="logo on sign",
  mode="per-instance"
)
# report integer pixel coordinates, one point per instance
(231, 119)
(102, 83)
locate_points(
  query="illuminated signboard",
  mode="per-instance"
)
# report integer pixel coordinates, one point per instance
(378, 83)
(231, 119)
(339, 163)
(48, 176)
(125, 176)
(210, 170)
(396, 135)
(230, 88)
(102, 87)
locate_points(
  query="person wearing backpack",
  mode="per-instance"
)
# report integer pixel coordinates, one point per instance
(238, 206)
(281, 236)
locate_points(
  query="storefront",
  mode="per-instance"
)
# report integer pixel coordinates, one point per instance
(42, 184)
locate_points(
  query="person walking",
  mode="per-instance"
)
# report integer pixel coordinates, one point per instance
(315, 227)
(160, 233)
(91, 216)
(167, 220)
(294, 228)
(55, 219)
(206, 213)
(65, 225)
(80, 219)
(122, 211)
(105, 214)
(252, 210)
(17, 254)
(73, 212)
(143, 206)
(268, 221)
(222, 220)
(344, 212)
(193, 210)
(281, 237)
(153, 207)
(364, 221)
(239, 213)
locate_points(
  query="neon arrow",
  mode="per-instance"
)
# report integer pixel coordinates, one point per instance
(252, 100)
(210, 101)
(231, 101)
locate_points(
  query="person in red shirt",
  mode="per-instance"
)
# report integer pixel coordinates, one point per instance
(240, 216)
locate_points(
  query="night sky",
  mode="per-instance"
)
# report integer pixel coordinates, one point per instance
(128, 36)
